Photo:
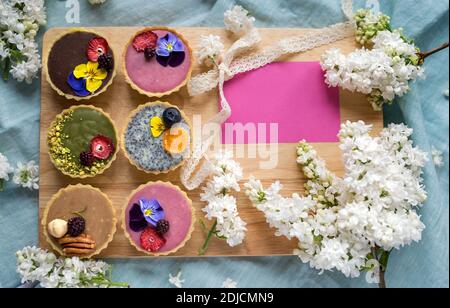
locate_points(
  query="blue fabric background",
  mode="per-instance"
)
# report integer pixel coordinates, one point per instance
(425, 109)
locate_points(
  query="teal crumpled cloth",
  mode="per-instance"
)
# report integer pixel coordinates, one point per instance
(425, 108)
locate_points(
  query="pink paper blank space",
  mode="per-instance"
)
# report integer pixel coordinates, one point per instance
(291, 94)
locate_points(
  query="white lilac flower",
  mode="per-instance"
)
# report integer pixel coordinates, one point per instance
(19, 23)
(372, 72)
(27, 175)
(37, 265)
(436, 157)
(342, 219)
(373, 272)
(210, 48)
(176, 280)
(5, 170)
(27, 70)
(238, 20)
(221, 206)
(383, 72)
(4, 51)
(229, 284)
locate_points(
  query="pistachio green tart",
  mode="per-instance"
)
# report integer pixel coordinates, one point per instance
(82, 141)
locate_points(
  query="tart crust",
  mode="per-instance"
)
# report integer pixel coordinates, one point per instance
(124, 131)
(70, 96)
(188, 234)
(157, 94)
(70, 188)
(113, 158)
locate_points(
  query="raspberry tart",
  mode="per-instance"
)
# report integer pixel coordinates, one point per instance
(157, 61)
(80, 65)
(157, 137)
(82, 141)
(158, 218)
(79, 220)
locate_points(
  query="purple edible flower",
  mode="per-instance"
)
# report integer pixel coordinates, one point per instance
(78, 85)
(168, 44)
(137, 221)
(152, 210)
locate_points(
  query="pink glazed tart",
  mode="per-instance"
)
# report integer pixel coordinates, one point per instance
(157, 61)
(168, 204)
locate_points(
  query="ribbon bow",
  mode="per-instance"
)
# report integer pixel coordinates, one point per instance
(230, 66)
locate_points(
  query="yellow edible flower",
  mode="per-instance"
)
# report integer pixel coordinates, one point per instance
(93, 75)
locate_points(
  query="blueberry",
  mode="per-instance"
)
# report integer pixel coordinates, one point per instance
(171, 116)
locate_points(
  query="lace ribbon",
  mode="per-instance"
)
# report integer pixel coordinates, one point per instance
(229, 67)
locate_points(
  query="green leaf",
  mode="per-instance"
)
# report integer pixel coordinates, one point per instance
(6, 69)
(384, 258)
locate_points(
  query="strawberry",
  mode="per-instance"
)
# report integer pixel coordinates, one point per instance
(151, 241)
(145, 40)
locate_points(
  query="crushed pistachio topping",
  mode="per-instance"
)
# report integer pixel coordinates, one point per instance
(62, 156)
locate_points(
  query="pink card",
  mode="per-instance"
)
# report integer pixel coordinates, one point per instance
(291, 95)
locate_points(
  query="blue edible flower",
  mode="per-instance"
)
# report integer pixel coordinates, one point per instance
(168, 44)
(152, 210)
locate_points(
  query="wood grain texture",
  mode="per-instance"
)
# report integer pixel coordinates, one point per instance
(121, 178)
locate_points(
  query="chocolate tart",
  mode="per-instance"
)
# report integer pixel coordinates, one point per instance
(95, 208)
(145, 151)
(178, 211)
(72, 132)
(67, 52)
(149, 77)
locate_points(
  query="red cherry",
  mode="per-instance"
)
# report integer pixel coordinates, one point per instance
(97, 46)
(151, 241)
(102, 147)
(145, 40)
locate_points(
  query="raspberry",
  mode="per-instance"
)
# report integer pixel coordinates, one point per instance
(76, 226)
(151, 241)
(145, 40)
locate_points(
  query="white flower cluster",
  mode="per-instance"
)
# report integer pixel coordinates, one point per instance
(37, 265)
(221, 205)
(210, 49)
(238, 20)
(176, 280)
(343, 221)
(229, 284)
(5, 170)
(19, 24)
(436, 157)
(382, 73)
(25, 175)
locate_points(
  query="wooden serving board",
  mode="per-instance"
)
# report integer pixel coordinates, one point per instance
(121, 178)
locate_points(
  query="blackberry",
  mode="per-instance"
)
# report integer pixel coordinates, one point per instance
(105, 62)
(162, 226)
(86, 159)
(76, 226)
(149, 53)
